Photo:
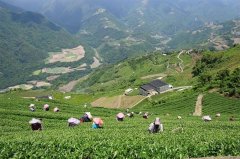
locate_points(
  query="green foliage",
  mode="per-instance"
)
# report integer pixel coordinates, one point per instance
(208, 61)
(134, 72)
(213, 71)
(26, 39)
(213, 102)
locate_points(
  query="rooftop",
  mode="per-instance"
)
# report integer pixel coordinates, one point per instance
(147, 87)
(158, 83)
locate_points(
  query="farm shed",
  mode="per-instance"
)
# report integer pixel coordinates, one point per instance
(154, 87)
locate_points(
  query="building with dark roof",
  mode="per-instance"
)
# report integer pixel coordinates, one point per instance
(154, 87)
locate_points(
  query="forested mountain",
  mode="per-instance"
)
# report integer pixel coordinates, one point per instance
(121, 28)
(25, 40)
(164, 13)
(212, 36)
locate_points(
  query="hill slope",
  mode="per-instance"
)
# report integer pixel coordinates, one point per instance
(179, 69)
(213, 36)
(26, 39)
(136, 71)
(120, 29)
(220, 70)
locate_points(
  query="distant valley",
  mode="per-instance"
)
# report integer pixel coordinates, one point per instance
(109, 32)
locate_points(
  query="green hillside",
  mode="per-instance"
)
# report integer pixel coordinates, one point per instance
(136, 71)
(130, 138)
(111, 35)
(196, 68)
(183, 104)
(26, 39)
(121, 29)
(219, 70)
(124, 44)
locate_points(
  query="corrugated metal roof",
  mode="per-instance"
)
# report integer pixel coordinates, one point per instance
(158, 83)
(147, 87)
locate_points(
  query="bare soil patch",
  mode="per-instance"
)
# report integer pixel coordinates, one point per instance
(213, 90)
(236, 40)
(160, 75)
(96, 63)
(39, 83)
(51, 78)
(121, 101)
(42, 84)
(22, 86)
(68, 55)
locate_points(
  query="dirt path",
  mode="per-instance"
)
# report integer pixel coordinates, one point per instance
(96, 63)
(180, 63)
(119, 101)
(97, 55)
(198, 107)
(96, 60)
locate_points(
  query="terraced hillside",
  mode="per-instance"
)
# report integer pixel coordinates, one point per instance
(174, 68)
(186, 138)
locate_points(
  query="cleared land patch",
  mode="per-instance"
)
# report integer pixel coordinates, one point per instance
(39, 83)
(95, 63)
(236, 40)
(67, 55)
(159, 76)
(22, 86)
(57, 70)
(51, 78)
(121, 101)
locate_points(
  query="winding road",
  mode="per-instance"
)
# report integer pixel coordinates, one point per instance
(180, 63)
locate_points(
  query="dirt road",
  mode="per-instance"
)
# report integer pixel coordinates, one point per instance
(198, 107)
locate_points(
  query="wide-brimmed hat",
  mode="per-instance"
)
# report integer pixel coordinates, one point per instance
(88, 114)
(98, 121)
(157, 121)
(73, 120)
(120, 115)
(56, 109)
(34, 121)
(31, 105)
(46, 106)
